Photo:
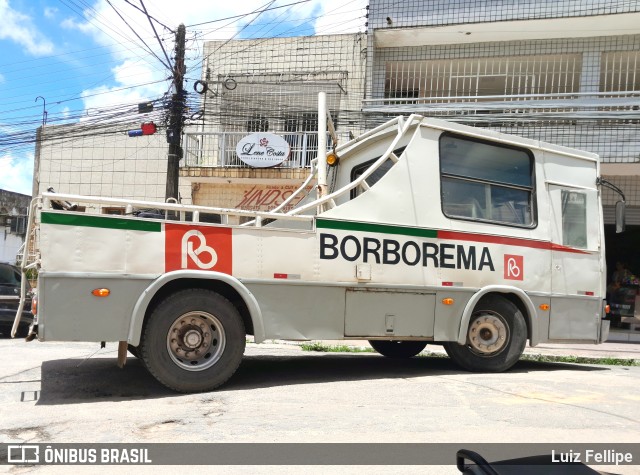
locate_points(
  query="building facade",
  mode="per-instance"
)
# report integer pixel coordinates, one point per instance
(566, 72)
(13, 223)
(103, 161)
(269, 86)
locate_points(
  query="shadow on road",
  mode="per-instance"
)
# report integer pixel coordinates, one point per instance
(268, 371)
(97, 380)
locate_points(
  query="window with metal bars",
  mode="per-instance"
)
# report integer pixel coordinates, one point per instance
(619, 72)
(258, 123)
(475, 78)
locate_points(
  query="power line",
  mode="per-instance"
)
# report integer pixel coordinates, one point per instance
(244, 15)
(88, 125)
(111, 91)
(150, 17)
(107, 26)
(166, 65)
(156, 33)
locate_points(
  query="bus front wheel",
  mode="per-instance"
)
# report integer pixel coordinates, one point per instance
(496, 337)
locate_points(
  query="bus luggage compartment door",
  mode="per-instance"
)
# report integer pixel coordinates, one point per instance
(393, 313)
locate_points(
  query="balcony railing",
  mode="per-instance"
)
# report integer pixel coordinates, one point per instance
(218, 149)
(606, 123)
(580, 104)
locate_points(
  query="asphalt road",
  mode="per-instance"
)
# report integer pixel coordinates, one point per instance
(51, 392)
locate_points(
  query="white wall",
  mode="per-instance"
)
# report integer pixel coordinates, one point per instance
(103, 165)
(9, 246)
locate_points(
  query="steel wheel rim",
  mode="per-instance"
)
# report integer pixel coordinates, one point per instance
(196, 341)
(488, 334)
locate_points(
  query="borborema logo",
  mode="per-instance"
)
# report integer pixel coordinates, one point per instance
(198, 248)
(513, 267)
(188, 252)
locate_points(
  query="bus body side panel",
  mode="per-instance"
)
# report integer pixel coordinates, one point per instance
(542, 317)
(403, 314)
(81, 253)
(300, 311)
(575, 318)
(577, 280)
(69, 311)
(79, 242)
(447, 317)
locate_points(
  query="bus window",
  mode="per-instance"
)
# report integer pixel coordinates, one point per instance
(574, 219)
(486, 182)
(358, 170)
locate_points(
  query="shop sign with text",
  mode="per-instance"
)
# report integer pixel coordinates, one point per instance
(263, 150)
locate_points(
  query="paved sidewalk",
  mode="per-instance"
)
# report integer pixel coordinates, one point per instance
(605, 350)
(626, 336)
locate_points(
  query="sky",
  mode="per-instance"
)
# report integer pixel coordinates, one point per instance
(73, 57)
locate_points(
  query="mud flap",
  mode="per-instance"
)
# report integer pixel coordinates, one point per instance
(122, 354)
(604, 331)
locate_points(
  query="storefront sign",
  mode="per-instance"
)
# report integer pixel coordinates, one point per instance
(263, 150)
(265, 198)
(258, 197)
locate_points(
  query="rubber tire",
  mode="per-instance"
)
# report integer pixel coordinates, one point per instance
(135, 351)
(398, 348)
(153, 345)
(23, 331)
(465, 357)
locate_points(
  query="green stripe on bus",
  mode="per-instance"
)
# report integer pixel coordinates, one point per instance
(93, 221)
(375, 228)
(448, 235)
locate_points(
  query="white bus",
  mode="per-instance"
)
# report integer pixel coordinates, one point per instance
(428, 232)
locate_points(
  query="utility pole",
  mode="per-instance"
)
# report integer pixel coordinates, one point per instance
(174, 131)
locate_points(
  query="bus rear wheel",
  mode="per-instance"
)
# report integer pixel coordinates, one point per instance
(496, 337)
(193, 341)
(398, 348)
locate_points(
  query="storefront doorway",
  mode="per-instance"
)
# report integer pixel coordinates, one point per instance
(623, 280)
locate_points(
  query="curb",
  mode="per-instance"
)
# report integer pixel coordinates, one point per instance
(597, 352)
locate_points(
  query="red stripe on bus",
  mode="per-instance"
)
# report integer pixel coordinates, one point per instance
(558, 247)
(454, 235)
